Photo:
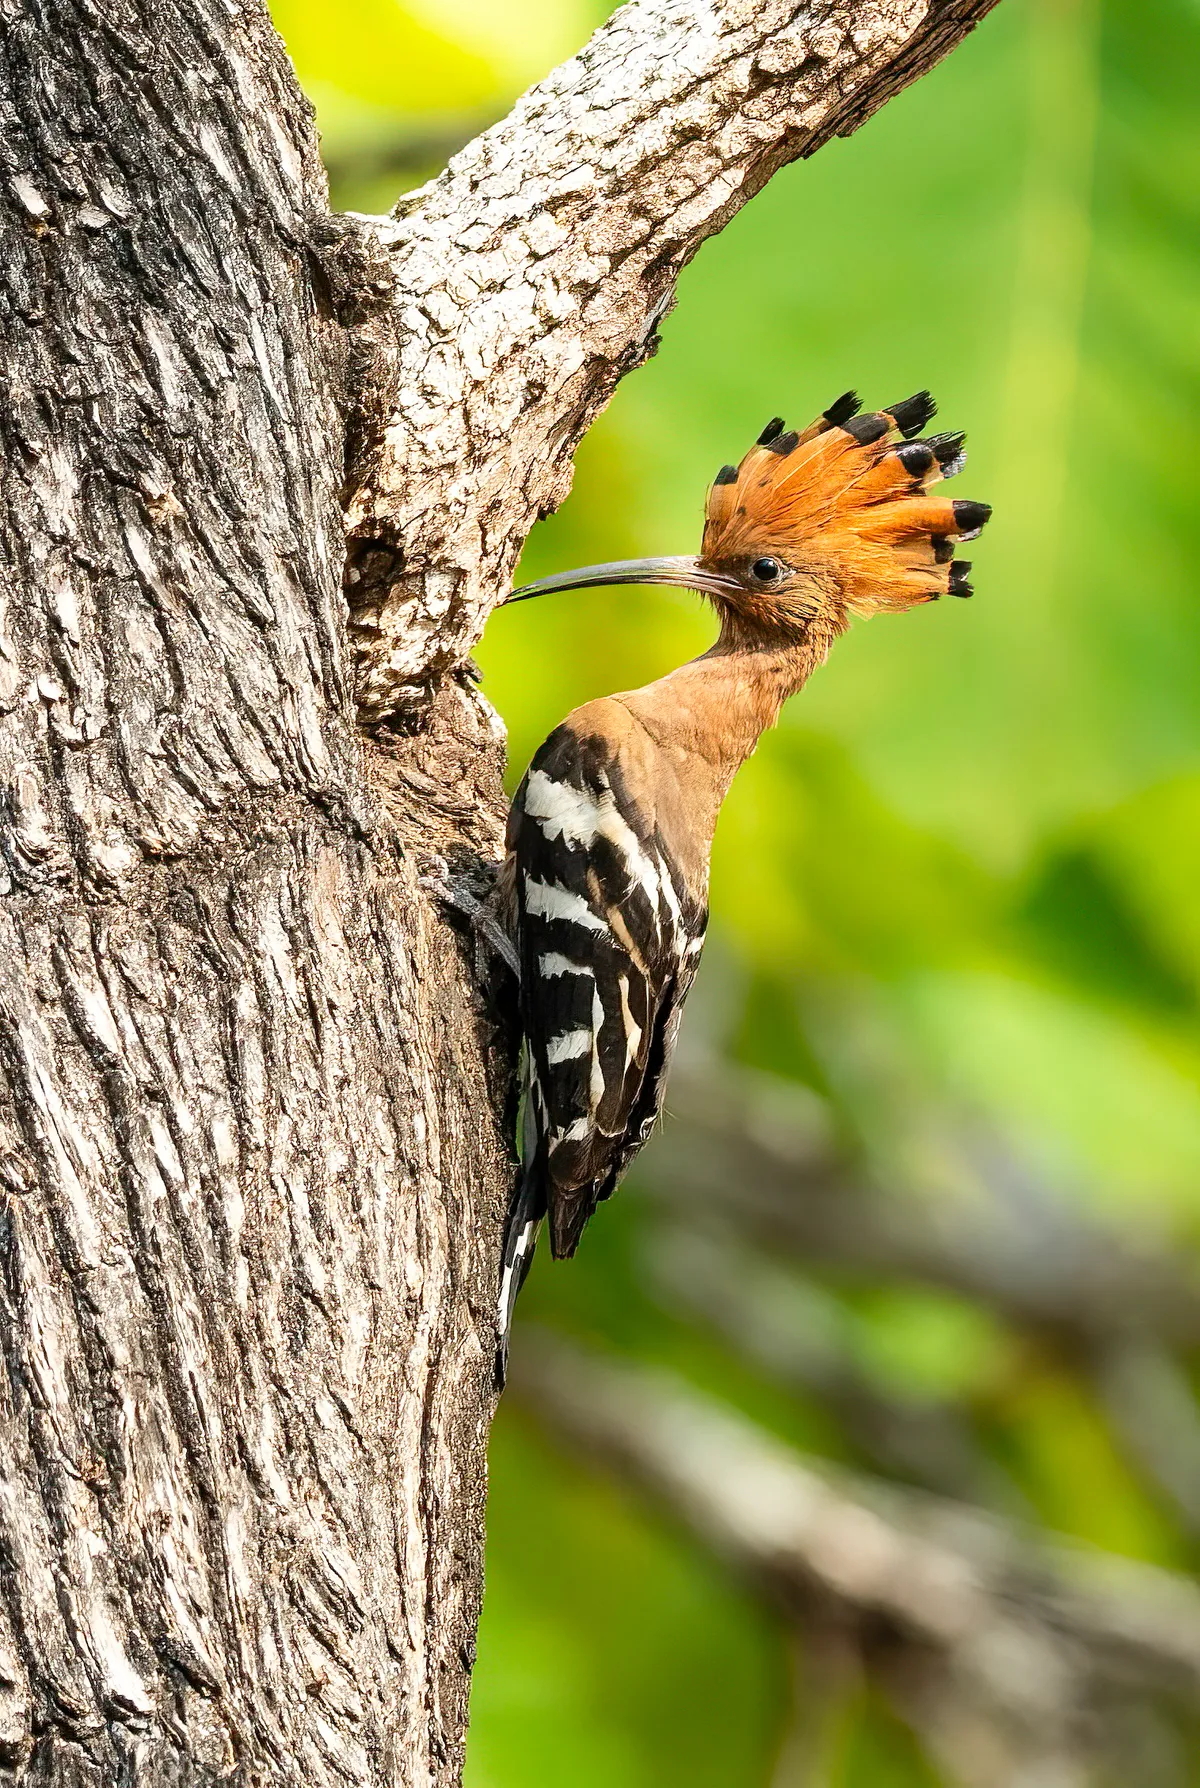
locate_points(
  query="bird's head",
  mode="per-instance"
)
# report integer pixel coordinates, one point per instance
(814, 526)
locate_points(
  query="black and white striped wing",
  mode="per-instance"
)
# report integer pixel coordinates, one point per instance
(609, 940)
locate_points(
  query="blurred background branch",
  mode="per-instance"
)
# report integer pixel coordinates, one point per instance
(1098, 1300)
(395, 154)
(1006, 1239)
(1011, 1652)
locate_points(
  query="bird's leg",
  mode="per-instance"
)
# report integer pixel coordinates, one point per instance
(456, 892)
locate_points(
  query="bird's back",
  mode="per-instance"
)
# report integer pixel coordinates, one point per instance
(609, 928)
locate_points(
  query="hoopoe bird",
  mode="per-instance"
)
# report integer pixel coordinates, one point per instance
(605, 886)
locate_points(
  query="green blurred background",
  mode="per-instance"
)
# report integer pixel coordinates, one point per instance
(958, 886)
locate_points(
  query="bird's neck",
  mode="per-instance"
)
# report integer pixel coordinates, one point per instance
(769, 666)
(717, 707)
(703, 720)
(745, 678)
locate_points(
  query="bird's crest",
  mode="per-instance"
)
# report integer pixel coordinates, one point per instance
(847, 503)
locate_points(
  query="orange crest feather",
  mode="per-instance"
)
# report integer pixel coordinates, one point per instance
(845, 503)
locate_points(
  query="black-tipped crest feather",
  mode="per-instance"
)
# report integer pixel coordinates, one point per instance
(865, 429)
(970, 518)
(912, 413)
(916, 457)
(947, 446)
(842, 408)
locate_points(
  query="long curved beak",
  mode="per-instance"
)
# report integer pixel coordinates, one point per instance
(685, 572)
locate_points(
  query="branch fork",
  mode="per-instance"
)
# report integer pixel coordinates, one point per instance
(530, 276)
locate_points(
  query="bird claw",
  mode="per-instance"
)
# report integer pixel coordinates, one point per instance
(453, 892)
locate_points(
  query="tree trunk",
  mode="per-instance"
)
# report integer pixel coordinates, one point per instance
(254, 1111)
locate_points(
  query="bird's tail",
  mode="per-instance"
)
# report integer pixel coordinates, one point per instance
(520, 1239)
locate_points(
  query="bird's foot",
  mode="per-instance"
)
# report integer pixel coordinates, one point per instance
(455, 892)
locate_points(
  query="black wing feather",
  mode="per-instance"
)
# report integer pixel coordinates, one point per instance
(609, 943)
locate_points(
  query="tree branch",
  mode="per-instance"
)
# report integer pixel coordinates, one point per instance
(1009, 1241)
(1008, 1651)
(772, 1319)
(516, 290)
(1114, 1309)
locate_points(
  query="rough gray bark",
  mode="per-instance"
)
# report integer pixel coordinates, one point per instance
(253, 1112)
(252, 1159)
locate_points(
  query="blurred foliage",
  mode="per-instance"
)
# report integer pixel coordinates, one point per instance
(960, 882)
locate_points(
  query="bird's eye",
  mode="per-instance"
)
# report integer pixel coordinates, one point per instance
(766, 570)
